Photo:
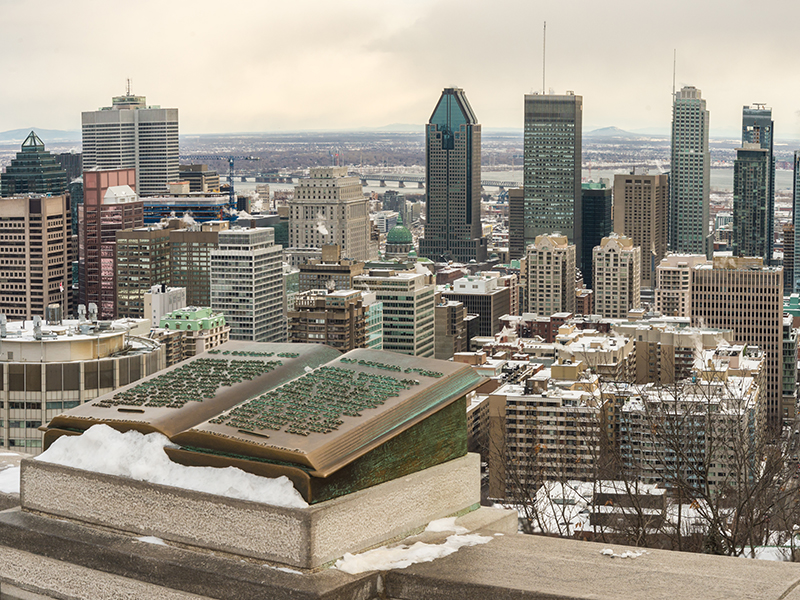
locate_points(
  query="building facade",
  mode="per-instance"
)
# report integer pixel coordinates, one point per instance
(741, 294)
(330, 208)
(408, 308)
(547, 276)
(36, 255)
(247, 284)
(110, 205)
(552, 171)
(453, 182)
(597, 221)
(451, 329)
(141, 256)
(202, 329)
(690, 174)
(481, 294)
(336, 318)
(131, 134)
(752, 222)
(190, 259)
(33, 171)
(673, 294)
(617, 277)
(641, 212)
(758, 128)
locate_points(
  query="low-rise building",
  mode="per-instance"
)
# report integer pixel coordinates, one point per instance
(202, 328)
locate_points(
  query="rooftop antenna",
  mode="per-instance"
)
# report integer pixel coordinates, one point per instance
(128, 90)
(544, 50)
(674, 65)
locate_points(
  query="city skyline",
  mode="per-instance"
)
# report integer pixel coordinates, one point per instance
(271, 79)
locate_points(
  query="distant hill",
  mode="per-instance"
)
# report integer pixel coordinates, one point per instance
(615, 133)
(47, 135)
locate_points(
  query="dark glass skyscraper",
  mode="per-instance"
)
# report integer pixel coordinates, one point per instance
(597, 224)
(453, 181)
(552, 175)
(758, 128)
(33, 171)
(751, 214)
(796, 218)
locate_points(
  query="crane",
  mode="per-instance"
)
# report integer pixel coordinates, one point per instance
(231, 159)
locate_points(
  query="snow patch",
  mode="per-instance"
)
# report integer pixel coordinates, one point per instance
(151, 539)
(9, 480)
(400, 557)
(285, 570)
(629, 554)
(448, 524)
(103, 449)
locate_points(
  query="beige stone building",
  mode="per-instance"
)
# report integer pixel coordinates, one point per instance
(673, 291)
(330, 208)
(335, 318)
(641, 205)
(547, 276)
(739, 293)
(35, 255)
(616, 264)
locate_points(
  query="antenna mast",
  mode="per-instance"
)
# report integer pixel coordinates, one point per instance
(544, 50)
(674, 65)
(128, 92)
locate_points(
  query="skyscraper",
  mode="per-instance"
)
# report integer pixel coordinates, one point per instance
(33, 171)
(330, 208)
(689, 180)
(35, 255)
(552, 175)
(597, 223)
(758, 128)
(247, 284)
(453, 182)
(547, 276)
(131, 134)
(640, 212)
(796, 219)
(751, 188)
(617, 277)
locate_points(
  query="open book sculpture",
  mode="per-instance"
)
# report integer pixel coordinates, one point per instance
(332, 423)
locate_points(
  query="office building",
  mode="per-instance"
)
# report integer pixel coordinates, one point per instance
(690, 175)
(200, 178)
(336, 318)
(453, 182)
(161, 300)
(59, 364)
(330, 208)
(481, 294)
(131, 134)
(673, 294)
(110, 205)
(552, 175)
(516, 223)
(741, 294)
(247, 284)
(788, 258)
(451, 330)
(752, 227)
(789, 366)
(547, 276)
(36, 255)
(374, 320)
(408, 308)
(192, 207)
(796, 219)
(596, 205)
(190, 259)
(617, 277)
(330, 272)
(759, 129)
(141, 256)
(641, 212)
(33, 171)
(72, 163)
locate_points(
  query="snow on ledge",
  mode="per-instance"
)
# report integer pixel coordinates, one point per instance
(400, 557)
(9, 480)
(103, 449)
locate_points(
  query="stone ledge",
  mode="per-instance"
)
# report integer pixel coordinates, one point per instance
(303, 538)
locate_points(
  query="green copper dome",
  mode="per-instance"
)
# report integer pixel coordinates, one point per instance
(399, 234)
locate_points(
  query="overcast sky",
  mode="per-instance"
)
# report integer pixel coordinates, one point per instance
(234, 66)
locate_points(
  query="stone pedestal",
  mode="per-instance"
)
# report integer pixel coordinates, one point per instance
(305, 538)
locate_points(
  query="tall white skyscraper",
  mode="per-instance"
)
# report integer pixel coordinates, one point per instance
(689, 179)
(131, 134)
(247, 284)
(330, 208)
